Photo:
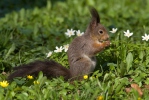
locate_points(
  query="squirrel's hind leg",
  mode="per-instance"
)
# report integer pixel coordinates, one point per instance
(81, 67)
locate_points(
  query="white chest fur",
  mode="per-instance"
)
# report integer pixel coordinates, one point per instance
(92, 60)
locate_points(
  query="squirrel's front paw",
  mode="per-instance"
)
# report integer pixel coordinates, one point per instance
(107, 43)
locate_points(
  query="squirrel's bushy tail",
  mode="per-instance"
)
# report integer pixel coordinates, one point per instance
(49, 68)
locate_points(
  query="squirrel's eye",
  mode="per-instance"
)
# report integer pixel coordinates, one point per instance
(100, 31)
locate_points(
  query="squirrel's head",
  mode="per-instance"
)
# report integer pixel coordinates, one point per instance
(95, 29)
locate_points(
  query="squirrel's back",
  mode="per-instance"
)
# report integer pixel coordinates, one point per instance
(81, 59)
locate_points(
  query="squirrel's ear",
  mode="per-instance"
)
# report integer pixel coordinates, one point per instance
(95, 18)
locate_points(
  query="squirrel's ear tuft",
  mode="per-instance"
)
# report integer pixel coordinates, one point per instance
(95, 17)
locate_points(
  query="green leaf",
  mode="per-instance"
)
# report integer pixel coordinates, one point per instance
(129, 60)
(12, 48)
(141, 55)
(147, 81)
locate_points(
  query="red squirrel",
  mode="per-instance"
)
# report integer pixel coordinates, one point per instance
(81, 55)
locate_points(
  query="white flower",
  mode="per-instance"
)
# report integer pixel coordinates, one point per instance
(58, 49)
(69, 33)
(49, 54)
(79, 33)
(113, 30)
(65, 47)
(127, 33)
(145, 37)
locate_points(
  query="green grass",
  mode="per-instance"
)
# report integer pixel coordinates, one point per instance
(28, 33)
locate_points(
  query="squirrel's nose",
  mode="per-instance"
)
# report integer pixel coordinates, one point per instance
(108, 38)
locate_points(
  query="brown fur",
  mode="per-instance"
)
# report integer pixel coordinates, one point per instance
(82, 50)
(81, 54)
(49, 68)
